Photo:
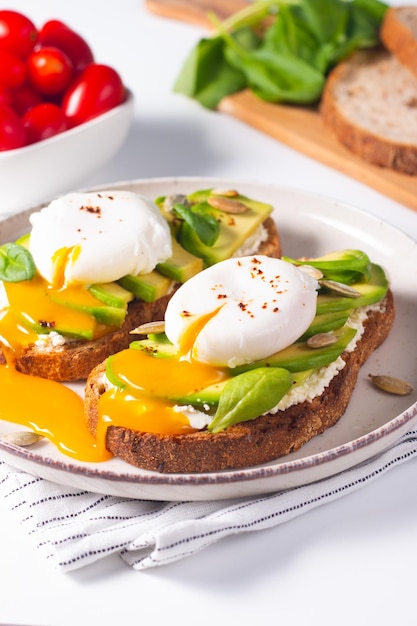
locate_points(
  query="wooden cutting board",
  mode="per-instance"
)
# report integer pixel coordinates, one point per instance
(301, 128)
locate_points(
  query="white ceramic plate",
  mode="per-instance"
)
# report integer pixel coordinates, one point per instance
(309, 225)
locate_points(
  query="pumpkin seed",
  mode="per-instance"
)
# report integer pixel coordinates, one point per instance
(340, 288)
(227, 205)
(229, 193)
(22, 438)
(169, 201)
(149, 327)
(320, 340)
(390, 384)
(311, 271)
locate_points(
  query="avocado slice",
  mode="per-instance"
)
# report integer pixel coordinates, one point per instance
(182, 265)
(102, 313)
(299, 356)
(234, 228)
(371, 291)
(112, 294)
(326, 322)
(148, 287)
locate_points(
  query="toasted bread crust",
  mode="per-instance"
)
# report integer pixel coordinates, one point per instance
(348, 87)
(75, 359)
(399, 35)
(250, 443)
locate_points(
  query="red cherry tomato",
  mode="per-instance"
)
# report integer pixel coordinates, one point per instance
(49, 70)
(17, 33)
(12, 70)
(57, 34)
(43, 121)
(12, 132)
(23, 99)
(99, 88)
(5, 97)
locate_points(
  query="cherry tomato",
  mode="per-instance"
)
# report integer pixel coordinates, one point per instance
(12, 131)
(17, 33)
(23, 99)
(43, 121)
(12, 70)
(99, 88)
(5, 97)
(49, 70)
(57, 34)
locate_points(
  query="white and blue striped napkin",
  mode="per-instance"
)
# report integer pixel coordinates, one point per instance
(74, 528)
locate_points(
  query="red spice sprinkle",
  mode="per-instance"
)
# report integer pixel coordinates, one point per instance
(186, 314)
(221, 295)
(91, 209)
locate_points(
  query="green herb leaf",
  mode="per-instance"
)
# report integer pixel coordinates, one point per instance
(16, 263)
(291, 57)
(249, 395)
(206, 227)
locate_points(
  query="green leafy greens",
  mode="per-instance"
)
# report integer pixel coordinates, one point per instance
(281, 50)
(16, 263)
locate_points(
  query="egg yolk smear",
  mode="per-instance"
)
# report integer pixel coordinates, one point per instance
(34, 305)
(143, 403)
(47, 407)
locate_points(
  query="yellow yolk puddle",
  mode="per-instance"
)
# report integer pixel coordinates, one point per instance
(51, 410)
(36, 306)
(143, 404)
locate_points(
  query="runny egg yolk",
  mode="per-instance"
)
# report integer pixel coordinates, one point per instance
(47, 407)
(35, 306)
(153, 386)
(50, 409)
(60, 260)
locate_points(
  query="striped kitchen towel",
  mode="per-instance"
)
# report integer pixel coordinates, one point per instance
(74, 528)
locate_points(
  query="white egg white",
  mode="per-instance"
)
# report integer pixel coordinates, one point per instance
(118, 233)
(256, 306)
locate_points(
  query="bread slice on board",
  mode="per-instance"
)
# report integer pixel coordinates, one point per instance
(248, 443)
(399, 35)
(370, 103)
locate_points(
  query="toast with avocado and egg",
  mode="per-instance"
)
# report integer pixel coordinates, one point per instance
(97, 265)
(254, 358)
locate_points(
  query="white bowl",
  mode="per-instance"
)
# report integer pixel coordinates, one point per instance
(38, 172)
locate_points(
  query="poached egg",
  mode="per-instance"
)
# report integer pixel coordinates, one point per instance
(98, 237)
(241, 310)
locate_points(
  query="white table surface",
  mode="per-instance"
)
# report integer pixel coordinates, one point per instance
(348, 562)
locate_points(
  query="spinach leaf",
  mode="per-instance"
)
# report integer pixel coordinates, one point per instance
(249, 395)
(204, 225)
(282, 59)
(207, 76)
(16, 263)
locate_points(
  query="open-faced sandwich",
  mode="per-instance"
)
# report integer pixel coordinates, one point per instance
(96, 265)
(255, 356)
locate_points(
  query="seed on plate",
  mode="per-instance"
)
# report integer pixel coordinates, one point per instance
(22, 438)
(230, 193)
(321, 339)
(148, 328)
(390, 384)
(227, 205)
(340, 288)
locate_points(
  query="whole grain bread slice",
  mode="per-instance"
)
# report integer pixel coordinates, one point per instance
(370, 103)
(74, 360)
(249, 443)
(399, 35)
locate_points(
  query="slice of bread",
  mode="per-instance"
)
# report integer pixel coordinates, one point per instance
(249, 443)
(370, 103)
(399, 35)
(74, 360)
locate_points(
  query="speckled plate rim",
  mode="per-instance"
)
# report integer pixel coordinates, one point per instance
(298, 214)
